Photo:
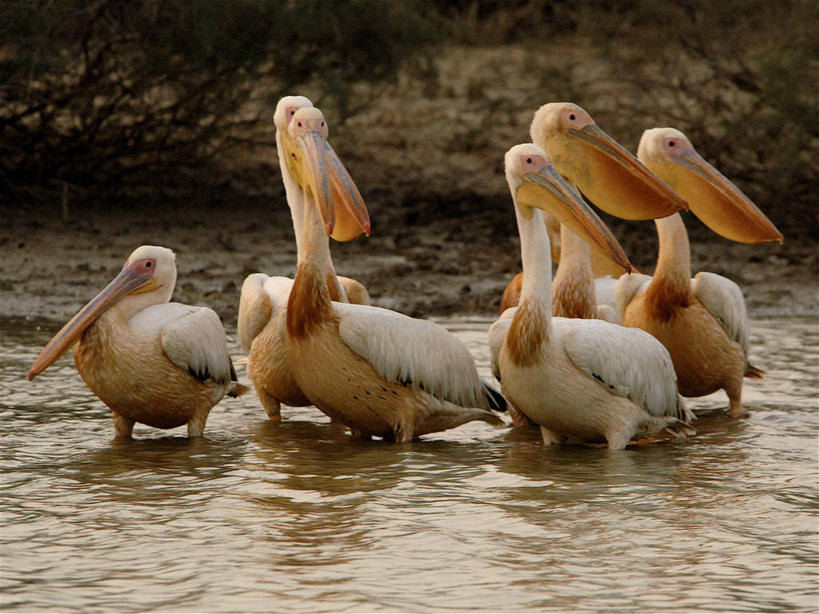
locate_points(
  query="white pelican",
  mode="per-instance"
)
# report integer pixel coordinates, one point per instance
(153, 362)
(263, 301)
(702, 321)
(580, 380)
(615, 181)
(377, 371)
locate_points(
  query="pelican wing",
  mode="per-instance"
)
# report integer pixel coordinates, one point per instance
(196, 342)
(497, 335)
(261, 298)
(355, 290)
(604, 290)
(723, 299)
(416, 353)
(191, 337)
(627, 361)
(627, 288)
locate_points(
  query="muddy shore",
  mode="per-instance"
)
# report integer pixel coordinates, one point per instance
(425, 257)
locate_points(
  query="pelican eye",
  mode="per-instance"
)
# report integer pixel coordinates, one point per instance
(572, 116)
(298, 124)
(148, 264)
(528, 160)
(671, 143)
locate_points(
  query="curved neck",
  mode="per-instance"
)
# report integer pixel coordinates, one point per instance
(671, 285)
(310, 298)
(529, 330)
(674, 258)
(573, 285)
(536, 259)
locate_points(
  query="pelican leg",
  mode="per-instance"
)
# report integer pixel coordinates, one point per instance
(271, 405)
(123, 427)
(403, 434)
(518, 417)
(734, 391)
(550, 438)
(735, 407)
(617, 441)
(196, 425)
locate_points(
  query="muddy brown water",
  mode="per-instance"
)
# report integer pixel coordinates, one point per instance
(298, 517)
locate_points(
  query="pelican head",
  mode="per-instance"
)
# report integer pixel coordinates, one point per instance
(148, 278)
(286, 108)
(320, 172)
(611, 177)
(535, 183)
(714, 198)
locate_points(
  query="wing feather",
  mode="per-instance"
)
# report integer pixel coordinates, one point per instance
(414, 352)
(723, 299)
(497, 335)
(627, 288)
(627, 361)
(262, 297)
(192, 338)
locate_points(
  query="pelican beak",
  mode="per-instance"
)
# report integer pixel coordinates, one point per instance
(315, 176)
(610, 176)
(547, 190)
(317, 169)
(715, 199)
(352, 217)
(127, 282)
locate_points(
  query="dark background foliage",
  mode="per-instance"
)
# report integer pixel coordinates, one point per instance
(112, 101)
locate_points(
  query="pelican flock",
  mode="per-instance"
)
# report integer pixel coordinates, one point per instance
(599, 354)
(580, 380)
(150, 361)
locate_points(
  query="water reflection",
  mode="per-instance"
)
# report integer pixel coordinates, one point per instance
(302, 516)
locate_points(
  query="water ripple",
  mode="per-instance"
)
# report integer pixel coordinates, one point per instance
(299, 517)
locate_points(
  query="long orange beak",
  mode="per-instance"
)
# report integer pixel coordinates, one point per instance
(715, 199)
(125, 283)
(610, 176)
(318, 169)
(547, 190)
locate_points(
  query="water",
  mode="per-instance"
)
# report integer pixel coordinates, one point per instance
(298, 517)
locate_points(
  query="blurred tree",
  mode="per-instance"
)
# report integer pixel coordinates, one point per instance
(116, 98)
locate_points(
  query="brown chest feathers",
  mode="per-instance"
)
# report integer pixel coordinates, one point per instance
(527, 334)
(573, 298)
(309, 303)
(665, 299)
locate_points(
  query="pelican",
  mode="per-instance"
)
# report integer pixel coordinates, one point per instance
(263, 301)
(702, 321)
(153, 362)
(379, 372)
(613, 180)
(581, 380)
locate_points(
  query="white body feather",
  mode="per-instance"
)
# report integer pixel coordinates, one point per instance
(411, 351)
(191, 337)
(719, 295)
